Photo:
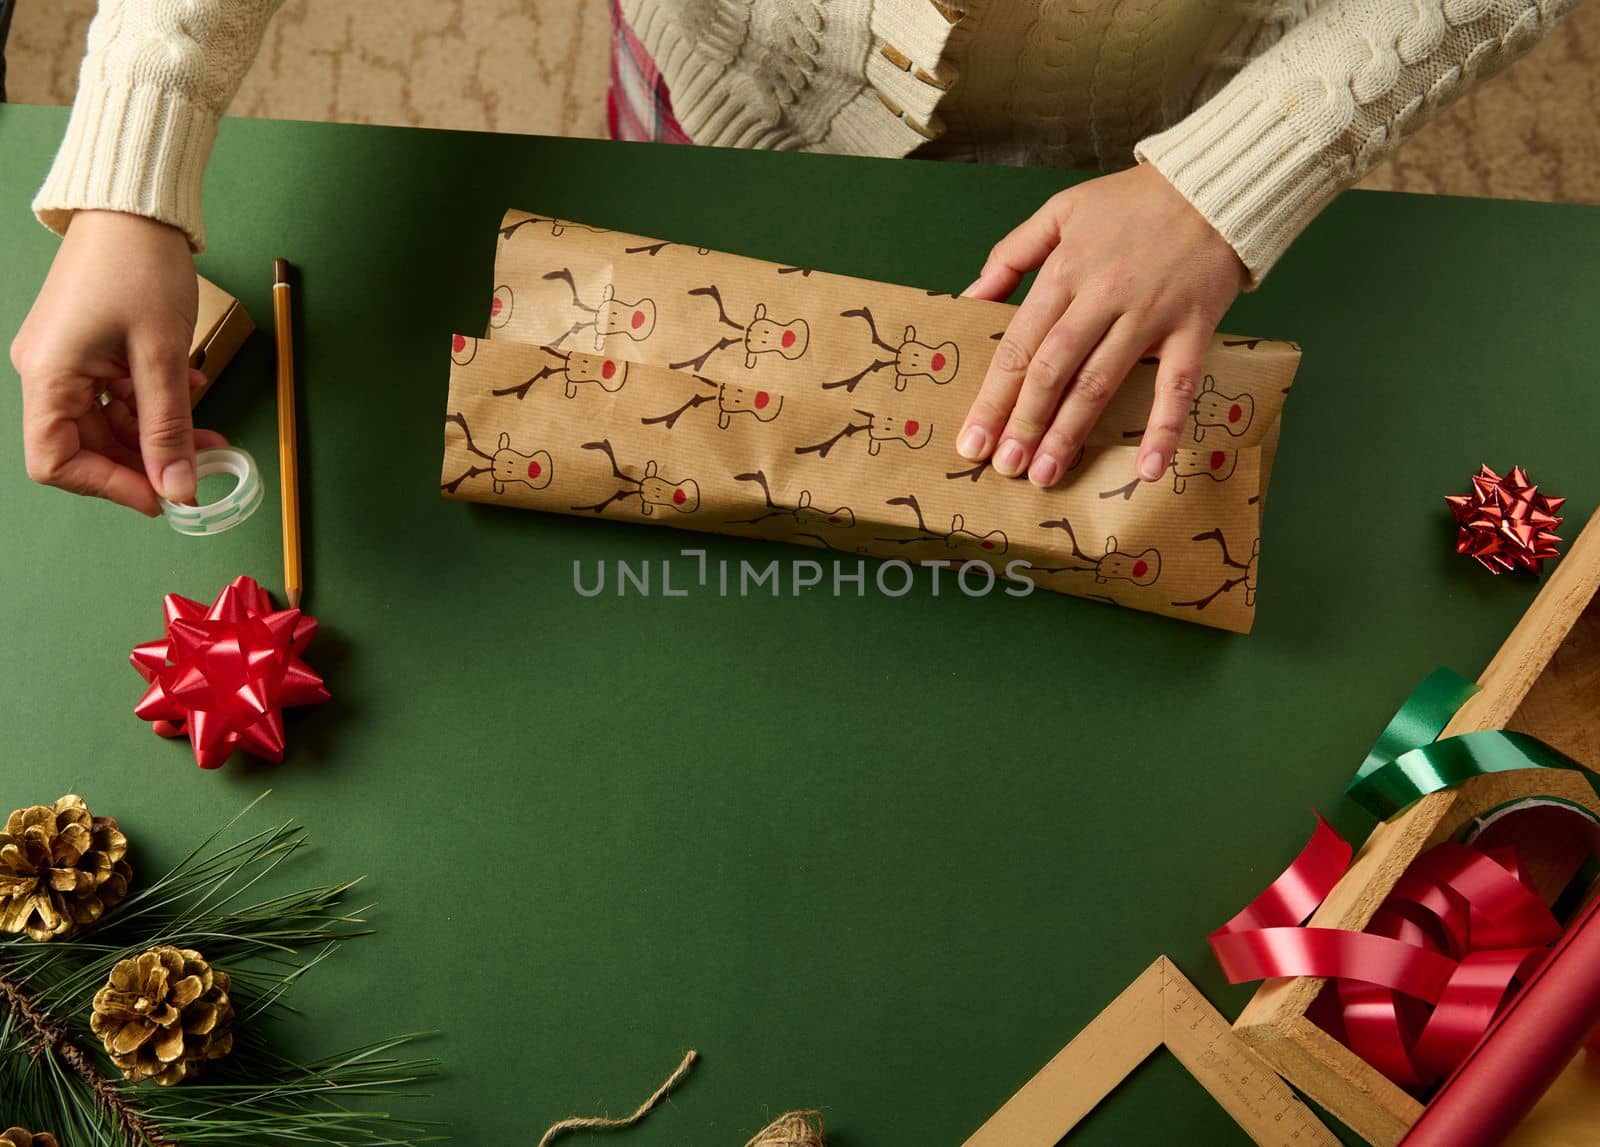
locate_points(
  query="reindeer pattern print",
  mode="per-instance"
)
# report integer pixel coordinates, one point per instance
(761, 335)
(668, 383)
(501, 304)
(575, 368)
(958, 539)
(607, 317)
(761, 405)
(653, 488)
(505, 465)
(1215, 410)
(1141, 568)
(801, 520)
(910, 358)
(912, 433)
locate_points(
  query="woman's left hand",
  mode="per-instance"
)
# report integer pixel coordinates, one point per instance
(1127, 268)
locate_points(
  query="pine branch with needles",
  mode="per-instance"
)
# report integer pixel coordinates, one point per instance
(55, 1076)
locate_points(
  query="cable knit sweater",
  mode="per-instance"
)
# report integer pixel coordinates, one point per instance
(1258, 112)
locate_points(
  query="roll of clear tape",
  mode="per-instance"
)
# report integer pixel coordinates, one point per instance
(230, 509)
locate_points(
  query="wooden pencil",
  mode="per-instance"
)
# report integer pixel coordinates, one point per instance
(288, 458)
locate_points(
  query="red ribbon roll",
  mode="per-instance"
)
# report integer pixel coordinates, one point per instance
(1443, 953)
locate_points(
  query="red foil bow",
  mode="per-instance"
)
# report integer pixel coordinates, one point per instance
(223, 675)
(1419, 987)
(1505, 523)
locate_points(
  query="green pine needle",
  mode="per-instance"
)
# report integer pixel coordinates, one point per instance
(208, 901)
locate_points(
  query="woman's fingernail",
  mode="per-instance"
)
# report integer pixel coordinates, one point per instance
(1045, 470)
(1150, 467)
(973, 442)
(1008, 459)
(976, 283)
(177, 480)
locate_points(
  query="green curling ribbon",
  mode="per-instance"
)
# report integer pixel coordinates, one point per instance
(1408, 762)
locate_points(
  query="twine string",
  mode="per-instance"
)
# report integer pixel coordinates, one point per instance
(791, 1129)
(599, 1123)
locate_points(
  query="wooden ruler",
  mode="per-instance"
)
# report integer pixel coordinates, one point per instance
(1159, 1009)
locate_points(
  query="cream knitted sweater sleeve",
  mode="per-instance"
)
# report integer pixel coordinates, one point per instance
(1325, 104)
(1306, 118)
(157, 77)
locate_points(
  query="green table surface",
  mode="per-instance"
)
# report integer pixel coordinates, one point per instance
(879, 856)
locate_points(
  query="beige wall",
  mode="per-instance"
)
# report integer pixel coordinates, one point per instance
(540, 66)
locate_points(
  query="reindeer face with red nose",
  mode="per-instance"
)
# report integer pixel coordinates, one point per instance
(919, 360)
(806, 514)
(615, 317)
(1215, 410)
(762, 405)
(911, 358)
(1141, 568)
(652, 489)
(764, 336)
(504, 466)
(1218, 465)
(655, 490)
(500, 306)
(887, 428)
(530, 469)
(990, 545)
(968, 543)
(607, 373)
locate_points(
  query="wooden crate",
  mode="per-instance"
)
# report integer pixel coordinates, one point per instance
(1545, 681)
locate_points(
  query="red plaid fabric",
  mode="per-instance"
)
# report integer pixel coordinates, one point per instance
(638, 107)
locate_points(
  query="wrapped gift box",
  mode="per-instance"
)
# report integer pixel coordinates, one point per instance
(668, 384)
(221, 326)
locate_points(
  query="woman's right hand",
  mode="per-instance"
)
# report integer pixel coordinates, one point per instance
(115, 316)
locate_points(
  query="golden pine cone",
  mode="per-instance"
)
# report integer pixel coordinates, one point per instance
(163, 1014)
(60, 868)
(17, 1137)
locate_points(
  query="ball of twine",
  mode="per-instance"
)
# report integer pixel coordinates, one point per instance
(791, 1129)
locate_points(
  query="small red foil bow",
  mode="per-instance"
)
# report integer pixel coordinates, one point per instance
(1505, 523)
(223, 676)
(1415, 991)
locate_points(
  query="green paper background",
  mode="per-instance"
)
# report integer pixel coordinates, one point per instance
(879, 856)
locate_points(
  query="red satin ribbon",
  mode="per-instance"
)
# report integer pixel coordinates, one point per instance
(223, 675)
(1443, 953)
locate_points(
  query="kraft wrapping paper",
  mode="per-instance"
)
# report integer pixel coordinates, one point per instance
(666, 384)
